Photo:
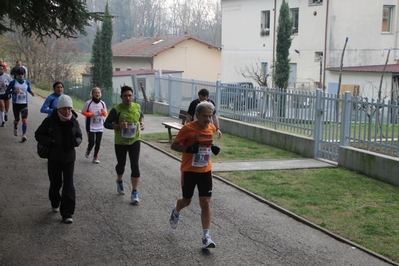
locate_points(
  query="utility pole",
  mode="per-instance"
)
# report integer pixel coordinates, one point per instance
(321, 72)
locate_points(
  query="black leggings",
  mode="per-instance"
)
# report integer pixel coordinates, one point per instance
(134, 152)
(95, 137)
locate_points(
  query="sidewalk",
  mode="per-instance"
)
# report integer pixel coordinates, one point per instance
(154, 124)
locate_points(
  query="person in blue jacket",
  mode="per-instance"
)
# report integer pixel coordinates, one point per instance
(51, 101)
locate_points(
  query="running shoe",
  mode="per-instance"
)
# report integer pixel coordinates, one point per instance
(87, 154)
(120, 187)
(55, 210)
(5, 117)
(96, 160)
(24, 139)
(208, 243)
(15, 131)
(174, 219)
(135, 198)
(68, 220)
(3, 124)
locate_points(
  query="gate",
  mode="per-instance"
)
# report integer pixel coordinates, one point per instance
(327, 129)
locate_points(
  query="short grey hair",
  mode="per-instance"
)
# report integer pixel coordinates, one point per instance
(204, 106)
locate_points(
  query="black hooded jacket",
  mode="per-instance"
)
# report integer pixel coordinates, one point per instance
(61, 137)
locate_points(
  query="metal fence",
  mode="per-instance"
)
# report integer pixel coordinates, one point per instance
(331, 121)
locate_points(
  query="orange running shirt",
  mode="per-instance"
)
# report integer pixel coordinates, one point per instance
(200, 162)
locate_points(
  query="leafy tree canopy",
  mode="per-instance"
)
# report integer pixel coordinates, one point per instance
(59, 18)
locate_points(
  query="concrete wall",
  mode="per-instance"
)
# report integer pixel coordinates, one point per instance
(374, 165)
(294, 143)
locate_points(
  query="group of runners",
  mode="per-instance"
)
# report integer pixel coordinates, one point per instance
(60, 131)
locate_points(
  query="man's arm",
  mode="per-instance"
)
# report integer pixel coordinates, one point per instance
(216, 123)
(109, 121)
(191, 111)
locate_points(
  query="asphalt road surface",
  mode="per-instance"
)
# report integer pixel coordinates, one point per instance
(107, 230)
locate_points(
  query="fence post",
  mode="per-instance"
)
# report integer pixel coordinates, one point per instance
(318, 123)
(156, 89)
(218, 96)
(170, 94)
(193, 94)
(345, 118)
(135, 87)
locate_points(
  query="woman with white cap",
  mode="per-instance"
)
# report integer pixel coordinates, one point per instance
(61, 132)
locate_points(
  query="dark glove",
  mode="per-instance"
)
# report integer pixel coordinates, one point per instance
(193, 148)
(215, 149)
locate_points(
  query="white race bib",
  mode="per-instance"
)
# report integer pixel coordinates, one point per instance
(21, 98)
(129, 132)
(201, 158)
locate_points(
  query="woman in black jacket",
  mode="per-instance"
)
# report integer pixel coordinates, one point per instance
(61, 132)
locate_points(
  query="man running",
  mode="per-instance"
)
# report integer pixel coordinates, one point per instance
(194, 140)
(19, 88)
(127, 121)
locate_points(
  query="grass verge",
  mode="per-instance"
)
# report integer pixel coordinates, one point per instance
(351, 205)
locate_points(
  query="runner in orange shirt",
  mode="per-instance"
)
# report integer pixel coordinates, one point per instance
(195, 141)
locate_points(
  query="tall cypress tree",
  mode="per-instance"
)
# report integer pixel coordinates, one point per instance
(284, 31)
(106, 43)
(96, 61)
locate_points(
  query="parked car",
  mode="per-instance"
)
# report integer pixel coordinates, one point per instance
(235, 98)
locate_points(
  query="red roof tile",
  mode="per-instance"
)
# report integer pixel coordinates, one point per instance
(149, 47)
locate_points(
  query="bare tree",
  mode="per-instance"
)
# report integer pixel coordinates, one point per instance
(47, 61)
(257, 72)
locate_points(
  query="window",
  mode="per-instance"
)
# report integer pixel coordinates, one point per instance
(264, 69)
(295, 20)
(318, 56)
(315, 1)
(265, 22)
(387, 18)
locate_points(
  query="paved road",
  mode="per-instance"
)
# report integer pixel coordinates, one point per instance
(107, 230)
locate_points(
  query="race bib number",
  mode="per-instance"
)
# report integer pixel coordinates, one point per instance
(21, 98)
(95, 121)
(201, 158)
(129, 132)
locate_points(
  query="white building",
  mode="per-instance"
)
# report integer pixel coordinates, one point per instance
(321, 28)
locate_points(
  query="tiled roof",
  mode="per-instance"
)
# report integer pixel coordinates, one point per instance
(149, 47)
(375, 68)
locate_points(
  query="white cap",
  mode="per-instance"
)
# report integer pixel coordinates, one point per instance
(64, 101)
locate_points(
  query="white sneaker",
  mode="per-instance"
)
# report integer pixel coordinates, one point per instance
(120, 187)
(55, 210)
(135, 198)
(68, 220)
(96, 160)
(15, 131)
(174, 219)
(208, 243)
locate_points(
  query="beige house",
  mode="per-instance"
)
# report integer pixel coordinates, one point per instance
(196, 59)
(320, 28)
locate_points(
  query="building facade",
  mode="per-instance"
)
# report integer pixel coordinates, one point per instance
(319, 32)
